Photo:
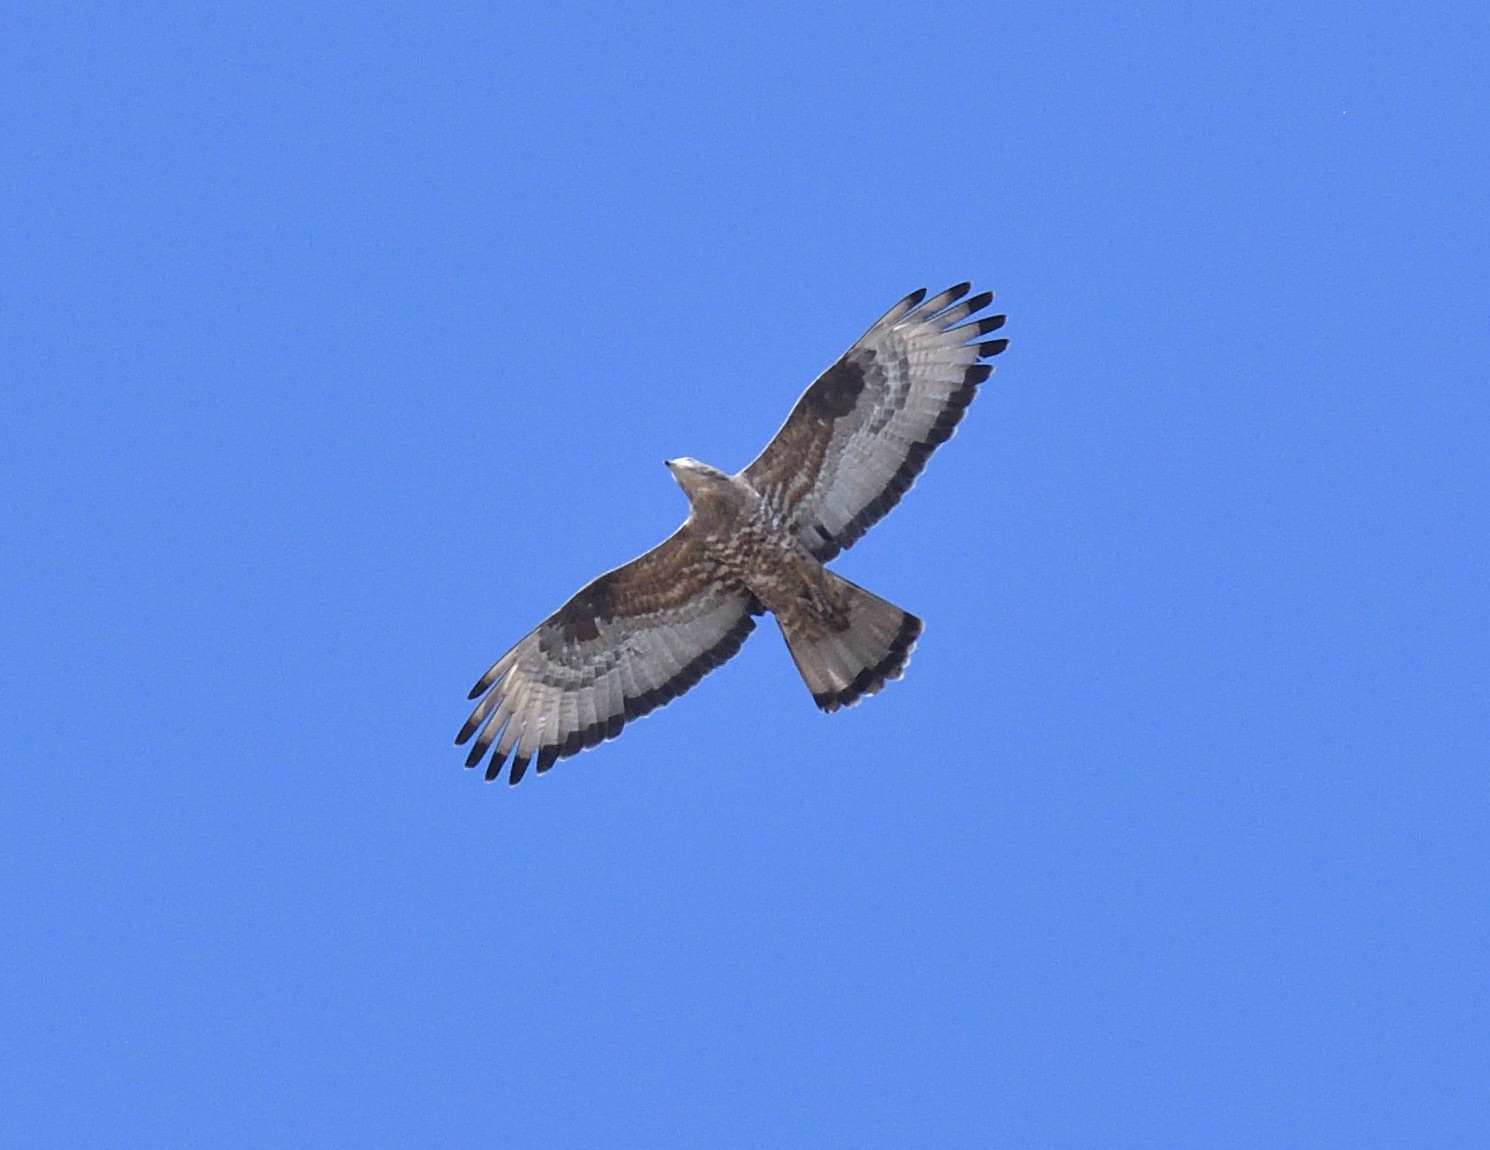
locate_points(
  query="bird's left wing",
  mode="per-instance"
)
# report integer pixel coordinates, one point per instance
(860, 435)
(629, 642)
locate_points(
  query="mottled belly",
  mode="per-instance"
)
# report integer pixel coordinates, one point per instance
(789, 582)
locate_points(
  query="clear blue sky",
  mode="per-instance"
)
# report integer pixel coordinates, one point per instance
(340, 344)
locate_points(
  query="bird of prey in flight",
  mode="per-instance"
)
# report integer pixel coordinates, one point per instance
(639, 636)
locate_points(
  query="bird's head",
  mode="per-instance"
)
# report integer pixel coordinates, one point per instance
(695, 478)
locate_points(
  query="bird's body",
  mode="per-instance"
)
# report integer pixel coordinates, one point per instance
(753, 542)
(737, 529)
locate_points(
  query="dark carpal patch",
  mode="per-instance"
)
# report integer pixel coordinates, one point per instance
(836, 391)
(577, 619)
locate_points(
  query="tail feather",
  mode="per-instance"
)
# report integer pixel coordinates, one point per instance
(844, 666)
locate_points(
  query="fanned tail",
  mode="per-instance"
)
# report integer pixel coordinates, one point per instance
(844, 666)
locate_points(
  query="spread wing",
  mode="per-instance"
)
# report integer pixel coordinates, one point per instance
(629, 642)
(860, 435)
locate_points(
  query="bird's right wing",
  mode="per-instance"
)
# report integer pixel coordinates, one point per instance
(860, 435)
(631, 641)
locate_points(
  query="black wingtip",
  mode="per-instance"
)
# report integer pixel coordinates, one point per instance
(943, 300)
(546, 757)
(987, 324)
(494, 768)
(473, 724)
(992, 348)
(519, 768)
(477, 752)
(479, 689)
(947, 298)
(977, 328)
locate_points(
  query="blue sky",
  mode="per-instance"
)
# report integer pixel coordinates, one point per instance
(340, 344)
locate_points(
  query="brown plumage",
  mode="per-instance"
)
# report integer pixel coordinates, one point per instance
(644, 633)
